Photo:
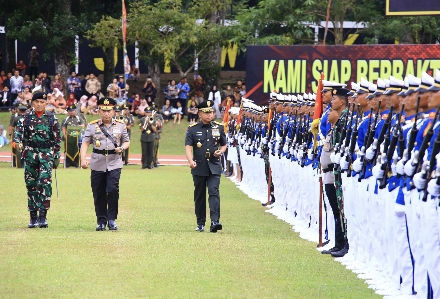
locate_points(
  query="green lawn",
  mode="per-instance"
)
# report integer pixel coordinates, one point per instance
(157, 253)
(172, 142)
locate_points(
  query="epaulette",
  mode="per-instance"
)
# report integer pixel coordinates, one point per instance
(190, 126)
(120, 121)
(218, 123)
(93, 121)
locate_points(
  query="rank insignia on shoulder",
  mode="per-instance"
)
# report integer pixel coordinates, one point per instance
(218, 123)
(94, 121)
(192, 125)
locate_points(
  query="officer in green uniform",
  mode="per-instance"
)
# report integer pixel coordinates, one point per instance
(17, 162)
(159, 122)
(122, 113)
(148, 137)
(205, 142)
(71, 127)
(109, 138)
(37, 135)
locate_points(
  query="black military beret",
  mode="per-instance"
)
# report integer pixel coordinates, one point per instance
(118, 108)
(39, 96)
(341, 92)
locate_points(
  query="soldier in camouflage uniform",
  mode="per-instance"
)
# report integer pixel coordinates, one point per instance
(37, 135)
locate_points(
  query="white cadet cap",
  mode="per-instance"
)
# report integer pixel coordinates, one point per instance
(395, 85)
(426, 83)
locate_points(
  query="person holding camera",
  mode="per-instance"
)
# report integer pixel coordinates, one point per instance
(148, 137)
(37, 136)
(150, 88)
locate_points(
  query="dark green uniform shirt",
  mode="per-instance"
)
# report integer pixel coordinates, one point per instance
(205, 140)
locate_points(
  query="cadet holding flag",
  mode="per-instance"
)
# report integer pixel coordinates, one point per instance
(71, 127)
(37, 135)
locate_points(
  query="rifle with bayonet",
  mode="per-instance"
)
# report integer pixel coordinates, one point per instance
(307, 140)
(351, 144)
(370, 138)
(389, 150)
(414, 130)
(432, 161)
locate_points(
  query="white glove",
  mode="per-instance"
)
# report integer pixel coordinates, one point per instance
(369, 154)
(357, 165)
(337, 158)
(377, 171)
(409, 168)
(278, 138)
(310, 154)
(292, 151)
(287, 139)
(270, 145)
(418, 181)
(259, 151)
(252, 146)
(332, 157)
(344, 164)
(400, 167)
(277, 146)
(300, 154)
(394, 169)
(264, 140)
(285, 148)
(433, 188)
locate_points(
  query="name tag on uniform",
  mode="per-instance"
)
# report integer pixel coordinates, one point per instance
(215, 133)
(116, 131)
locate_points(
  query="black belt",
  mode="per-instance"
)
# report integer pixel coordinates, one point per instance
(329, 168)
(104, 152)
(38, 144)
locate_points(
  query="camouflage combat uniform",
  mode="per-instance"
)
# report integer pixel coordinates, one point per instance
(40, 140)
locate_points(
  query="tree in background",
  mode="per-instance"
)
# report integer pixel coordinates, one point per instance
(107, 35)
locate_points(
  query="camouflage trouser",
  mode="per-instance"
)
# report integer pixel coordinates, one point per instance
(38, 179)
(266, 170)
(340, 201)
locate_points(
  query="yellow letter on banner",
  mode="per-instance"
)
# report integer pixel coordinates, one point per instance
(316, 73)
(268, 76)
(231, 51)
(281, 77)
(293, 76)
(345, 71)
(385, 69)
(362, 69)
(398, 69)
(422, 66)
(435, 64)
(334, 72)
(410, 67)
(373, 70)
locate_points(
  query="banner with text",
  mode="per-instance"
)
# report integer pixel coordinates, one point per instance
(296, 69)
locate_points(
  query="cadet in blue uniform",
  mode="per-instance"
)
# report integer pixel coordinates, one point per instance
(205, 142)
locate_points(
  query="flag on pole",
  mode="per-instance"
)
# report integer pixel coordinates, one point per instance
(226, 115)
(124, 38)
(318, 104)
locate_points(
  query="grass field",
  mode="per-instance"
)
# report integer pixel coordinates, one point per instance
(156, 253)
(172, 142)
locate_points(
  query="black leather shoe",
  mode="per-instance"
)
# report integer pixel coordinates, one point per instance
(150, 167)
(341, 252)
(215, 226)
(100, 227)
(112, 225)
(271, 203)
(200, 228)
(42, 220)
(329, 251)
(155, 165)
(33, 223)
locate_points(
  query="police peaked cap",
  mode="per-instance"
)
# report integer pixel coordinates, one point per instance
(343, 92)
(436, 85)
(71, 107)
(206, 106)
(106, 104)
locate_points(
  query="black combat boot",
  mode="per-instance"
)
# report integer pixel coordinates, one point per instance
(42, 219)
(34, 219)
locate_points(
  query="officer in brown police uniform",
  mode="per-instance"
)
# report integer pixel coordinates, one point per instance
(205, 142)
(109, 138)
